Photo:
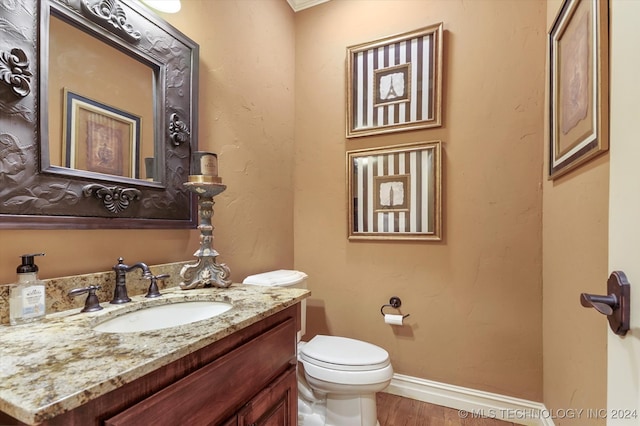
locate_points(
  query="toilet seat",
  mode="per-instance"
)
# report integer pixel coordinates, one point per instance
(345, 361)
(344, 354)
(332, 377)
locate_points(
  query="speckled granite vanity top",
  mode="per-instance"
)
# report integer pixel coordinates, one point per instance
(60, 363)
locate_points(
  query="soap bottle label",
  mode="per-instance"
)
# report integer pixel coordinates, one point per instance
(33, 301)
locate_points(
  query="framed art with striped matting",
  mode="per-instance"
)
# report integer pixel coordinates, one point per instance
(394, 193)
(395, 84)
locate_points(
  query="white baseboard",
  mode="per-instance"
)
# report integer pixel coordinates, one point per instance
(471, 402)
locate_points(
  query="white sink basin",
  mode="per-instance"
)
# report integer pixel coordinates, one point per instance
(163, 316)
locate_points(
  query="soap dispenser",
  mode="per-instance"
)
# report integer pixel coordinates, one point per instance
(27, 296)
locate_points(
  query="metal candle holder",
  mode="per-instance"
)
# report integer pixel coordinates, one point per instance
(206, 272)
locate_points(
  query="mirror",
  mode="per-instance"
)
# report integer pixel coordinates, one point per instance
(97, 95)
(98, 116)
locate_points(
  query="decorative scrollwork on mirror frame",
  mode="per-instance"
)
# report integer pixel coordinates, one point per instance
(114, 198)
(15, 73)
(178, 130)
(37, 195)
(110, 15)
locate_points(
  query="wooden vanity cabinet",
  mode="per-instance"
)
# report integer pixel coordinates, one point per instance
(247, 378)
(208, 395)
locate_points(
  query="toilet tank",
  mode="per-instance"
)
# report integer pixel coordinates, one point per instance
(284, 278)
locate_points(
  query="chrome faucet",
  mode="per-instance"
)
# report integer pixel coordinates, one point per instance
(120, 291)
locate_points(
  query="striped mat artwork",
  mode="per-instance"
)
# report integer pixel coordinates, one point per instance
(394, 192)
(393, 83)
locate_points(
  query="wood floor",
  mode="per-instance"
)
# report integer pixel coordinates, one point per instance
(398, 411)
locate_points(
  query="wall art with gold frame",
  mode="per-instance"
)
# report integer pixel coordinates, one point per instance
(395, 84)
(578, 85)
(394, 193)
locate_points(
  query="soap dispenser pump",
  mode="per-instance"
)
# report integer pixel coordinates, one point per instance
(27, 295)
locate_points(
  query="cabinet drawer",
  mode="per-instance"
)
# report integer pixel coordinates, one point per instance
(219, 389)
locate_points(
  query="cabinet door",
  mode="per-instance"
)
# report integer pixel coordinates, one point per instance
(276, 405)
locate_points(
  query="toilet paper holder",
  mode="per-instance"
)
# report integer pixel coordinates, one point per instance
(394, 303)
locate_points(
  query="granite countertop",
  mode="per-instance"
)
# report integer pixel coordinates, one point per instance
(57, 364)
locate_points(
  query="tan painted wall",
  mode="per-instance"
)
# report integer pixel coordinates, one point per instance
(474, 298)
(575, 251)
(246, 116)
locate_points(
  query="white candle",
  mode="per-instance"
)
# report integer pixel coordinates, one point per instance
(205, 163)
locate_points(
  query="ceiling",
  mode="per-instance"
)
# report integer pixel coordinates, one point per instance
(298, 5)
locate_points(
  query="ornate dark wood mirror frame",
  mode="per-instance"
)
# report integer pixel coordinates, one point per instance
(37, 195)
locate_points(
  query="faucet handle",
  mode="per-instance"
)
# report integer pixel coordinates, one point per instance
(92, 303)
(153, 290)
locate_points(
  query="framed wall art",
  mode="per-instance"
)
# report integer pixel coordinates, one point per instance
(100, 138)
(578, 85)
(395, 84)
(394, 193)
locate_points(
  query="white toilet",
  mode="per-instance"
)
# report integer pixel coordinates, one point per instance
(339, 378)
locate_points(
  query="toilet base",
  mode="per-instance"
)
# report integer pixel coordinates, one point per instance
(338, 410)
(334, 409)
(351, 410)
(310, 414)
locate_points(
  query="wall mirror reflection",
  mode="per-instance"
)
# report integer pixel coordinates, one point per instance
(100, 118)
(101, 105)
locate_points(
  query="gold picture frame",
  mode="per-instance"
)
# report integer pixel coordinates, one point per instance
(578, 85)
(100, 138)
(395, 84)
(395, 193)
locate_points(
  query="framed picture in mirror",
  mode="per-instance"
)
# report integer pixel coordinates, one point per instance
(100, 138)
(394, 193)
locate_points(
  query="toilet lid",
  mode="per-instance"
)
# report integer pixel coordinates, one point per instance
(342, 353)
(279, 278)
